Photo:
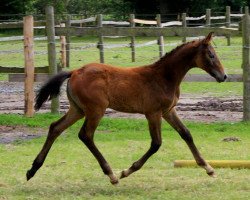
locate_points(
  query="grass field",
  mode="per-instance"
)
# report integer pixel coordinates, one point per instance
(231, 57)
(71, 172)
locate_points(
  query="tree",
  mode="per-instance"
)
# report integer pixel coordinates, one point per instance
(59, 5)
(117, 8)
(189, 6)
(16, 6)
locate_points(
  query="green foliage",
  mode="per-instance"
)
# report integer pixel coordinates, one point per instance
(196, 7)
(16, 6)
(118, 8)
(60, 6)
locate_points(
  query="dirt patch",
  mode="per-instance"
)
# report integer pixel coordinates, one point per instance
(190, 107)
(9, 134)
(231, 139)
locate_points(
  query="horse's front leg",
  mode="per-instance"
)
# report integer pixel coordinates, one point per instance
(173, 119)
(154, 122)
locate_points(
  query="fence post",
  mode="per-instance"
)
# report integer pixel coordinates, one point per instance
(246, 66)
(68, 41)
(161, 38)
(63, 60)
(132, 45)
(100, 43)
(28, 33)
(228, 22)
(50, 29)
(246, 10)
(208, 17)
(184, 25)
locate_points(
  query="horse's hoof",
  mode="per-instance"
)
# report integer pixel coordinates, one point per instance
(114, 182)
(212, 174)
(29, 175)
(113, 179)
(123, 174)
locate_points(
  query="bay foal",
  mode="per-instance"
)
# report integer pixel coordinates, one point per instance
(152, 90)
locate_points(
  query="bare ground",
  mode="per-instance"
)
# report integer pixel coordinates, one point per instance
(9, 134)
(190, 107)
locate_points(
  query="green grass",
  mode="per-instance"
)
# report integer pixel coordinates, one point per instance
(71, 172)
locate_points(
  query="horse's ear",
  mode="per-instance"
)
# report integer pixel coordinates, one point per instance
(208, 39)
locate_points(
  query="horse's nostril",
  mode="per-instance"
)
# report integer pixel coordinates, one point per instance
(225, 77)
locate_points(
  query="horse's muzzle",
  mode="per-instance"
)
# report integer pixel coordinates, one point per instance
(221, 79)
(218, 76)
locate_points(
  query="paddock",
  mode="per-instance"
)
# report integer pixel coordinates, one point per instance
(158, 179)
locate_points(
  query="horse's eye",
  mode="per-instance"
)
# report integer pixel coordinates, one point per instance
(211, 55)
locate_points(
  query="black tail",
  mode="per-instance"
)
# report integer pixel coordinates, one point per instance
(51, 89)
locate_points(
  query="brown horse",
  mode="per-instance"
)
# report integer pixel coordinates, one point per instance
(152, 90)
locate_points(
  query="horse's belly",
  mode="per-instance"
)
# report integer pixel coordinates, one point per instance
(125, 106)
(135, 104)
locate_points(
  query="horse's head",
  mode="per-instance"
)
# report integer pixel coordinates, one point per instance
(207, 59)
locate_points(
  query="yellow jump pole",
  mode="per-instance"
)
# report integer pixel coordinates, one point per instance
(215, 163)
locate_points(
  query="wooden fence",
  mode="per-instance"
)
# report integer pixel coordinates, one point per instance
(156, 29)
(205, 20)
(182, 31)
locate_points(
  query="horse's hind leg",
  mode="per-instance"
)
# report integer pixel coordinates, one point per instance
(154, 122)
(86, 135)
(56, 128)
(173, 119)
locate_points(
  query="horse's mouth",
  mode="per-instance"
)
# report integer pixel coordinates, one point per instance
(218, 77)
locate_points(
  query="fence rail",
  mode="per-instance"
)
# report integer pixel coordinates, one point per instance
(9, 70)
(144, 31)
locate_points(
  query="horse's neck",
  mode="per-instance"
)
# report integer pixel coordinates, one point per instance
(174, 69)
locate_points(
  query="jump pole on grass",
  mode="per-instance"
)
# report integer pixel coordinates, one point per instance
(215, 163)
(28, 33)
